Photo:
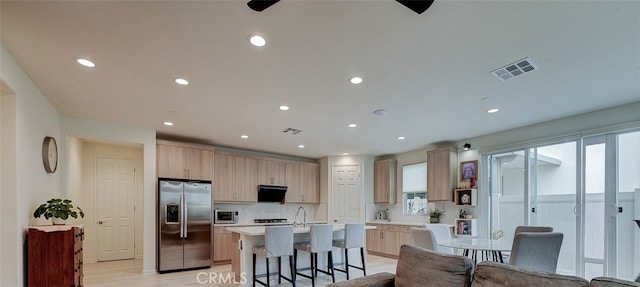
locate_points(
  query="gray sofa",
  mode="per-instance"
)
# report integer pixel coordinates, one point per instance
(421, 267)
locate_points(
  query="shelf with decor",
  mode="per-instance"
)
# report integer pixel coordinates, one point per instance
(465, 196)
(466, 227)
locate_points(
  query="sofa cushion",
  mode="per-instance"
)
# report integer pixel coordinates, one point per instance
(497, 274)
(612, 282)
(421, 267)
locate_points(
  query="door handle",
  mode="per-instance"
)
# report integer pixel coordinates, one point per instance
(100, 222)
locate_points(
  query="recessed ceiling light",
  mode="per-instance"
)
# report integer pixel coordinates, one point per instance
(168, 123)
(353, 125)
(301, 146)
(485, 99)
(181, 81)
(493, 110)
(257, 41)
(284, 108)
(401, 138)
(244, 136)
(345, 153)
(356, 80)
(85, 62)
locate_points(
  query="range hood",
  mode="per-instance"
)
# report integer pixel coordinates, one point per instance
(271, 193)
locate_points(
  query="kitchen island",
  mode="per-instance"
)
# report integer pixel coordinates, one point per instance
(245, 238)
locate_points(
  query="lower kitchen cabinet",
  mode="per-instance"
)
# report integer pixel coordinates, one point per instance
(55, 255)
(221, 245)
(386, 239)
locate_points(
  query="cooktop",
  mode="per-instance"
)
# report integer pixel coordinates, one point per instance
(270, 220)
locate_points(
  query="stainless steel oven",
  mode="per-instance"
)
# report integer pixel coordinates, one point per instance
(226, 216)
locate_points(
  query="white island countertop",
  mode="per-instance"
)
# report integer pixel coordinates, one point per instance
(259, 230)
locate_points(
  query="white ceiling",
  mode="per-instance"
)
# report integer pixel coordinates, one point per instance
(429, 71)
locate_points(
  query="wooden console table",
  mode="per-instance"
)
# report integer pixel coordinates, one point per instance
(55, 255)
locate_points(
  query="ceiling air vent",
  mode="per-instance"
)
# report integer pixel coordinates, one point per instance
(515, 69)
(291, 131)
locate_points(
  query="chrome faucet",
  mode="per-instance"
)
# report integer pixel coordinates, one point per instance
(304, 217)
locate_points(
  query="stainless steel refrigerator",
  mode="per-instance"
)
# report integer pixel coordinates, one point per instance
(184, 224)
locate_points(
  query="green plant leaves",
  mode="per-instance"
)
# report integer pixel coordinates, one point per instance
(56, 207)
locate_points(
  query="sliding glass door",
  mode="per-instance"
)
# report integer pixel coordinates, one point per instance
(537, 186)
(588, 189)
(611, 176)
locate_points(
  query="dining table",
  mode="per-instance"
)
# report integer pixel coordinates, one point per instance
(490, 249)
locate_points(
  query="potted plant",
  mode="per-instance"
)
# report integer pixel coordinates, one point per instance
(58, 210)
(435, 214)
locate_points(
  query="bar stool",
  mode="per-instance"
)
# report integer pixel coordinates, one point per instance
(278, 241)
(353, 238)
(321, 236)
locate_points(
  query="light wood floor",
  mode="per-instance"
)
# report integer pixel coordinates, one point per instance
(128, 273)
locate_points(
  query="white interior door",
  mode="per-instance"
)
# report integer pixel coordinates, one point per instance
(115, 207)
(346, 194)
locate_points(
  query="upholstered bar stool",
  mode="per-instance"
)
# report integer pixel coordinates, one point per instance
(277, 243)
(353, 238)
(321, 236)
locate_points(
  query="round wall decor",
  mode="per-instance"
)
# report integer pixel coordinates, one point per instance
(50, 154)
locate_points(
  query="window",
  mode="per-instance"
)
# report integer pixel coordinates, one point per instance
(414, 189)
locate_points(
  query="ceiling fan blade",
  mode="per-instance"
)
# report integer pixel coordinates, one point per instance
(417, 6)
(259, 5)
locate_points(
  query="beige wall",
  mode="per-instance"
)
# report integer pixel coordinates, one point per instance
(90, 151)
(27, 117)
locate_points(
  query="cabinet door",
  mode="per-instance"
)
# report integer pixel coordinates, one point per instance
(199, 164)
(384, 183)
(246, 175)
(224, 180)
(221, 245)
(293, 178)
(311, 183)
(440, 174)
(171, 161)
(271, 172)
(374, 241)
(391, 242)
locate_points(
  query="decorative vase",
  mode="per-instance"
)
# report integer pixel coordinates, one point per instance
(58, 221)
(434, 220)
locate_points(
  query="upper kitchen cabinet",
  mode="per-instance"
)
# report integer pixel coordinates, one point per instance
(182, 160)
(303, 182)
(384, 187)
(271, 172)
(235, 178)
(441, 174)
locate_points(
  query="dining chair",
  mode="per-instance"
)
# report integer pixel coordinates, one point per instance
(424, 238)
(278, 242)
(320, 240)
(536, 250)
(354, 236)
(442, 233)
(525, 228)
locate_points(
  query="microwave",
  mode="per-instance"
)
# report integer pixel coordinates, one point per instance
(225, 216)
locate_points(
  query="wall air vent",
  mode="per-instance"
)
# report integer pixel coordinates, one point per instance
(515, 69)
(291, 131)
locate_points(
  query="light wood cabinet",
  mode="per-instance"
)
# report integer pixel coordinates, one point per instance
(271, 172)
(387, 239)
(55, 256)
(384, 188)
(441, 174)
(303, 183)
(235, 178)
(221, 245)
(182, 160)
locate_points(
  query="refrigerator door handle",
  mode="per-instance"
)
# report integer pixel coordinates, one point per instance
(184, 216)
